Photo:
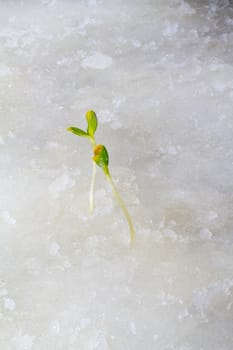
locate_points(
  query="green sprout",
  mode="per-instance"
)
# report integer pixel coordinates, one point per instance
(92, 123)
(101, 158)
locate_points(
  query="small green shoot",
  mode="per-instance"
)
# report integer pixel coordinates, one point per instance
(101, 158)
(91, 129)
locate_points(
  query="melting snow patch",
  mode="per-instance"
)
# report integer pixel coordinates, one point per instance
(170, 29)
(116, 125)
(5, 216)
(11, 135)
(85, 322)
(61, 184)
(205, 234)
(54, 249)
(136, 43)
(3, 292)
(97, 61)
(212, 215)
(132, 328)
(55, 327)
(22, 341)
(172, 150)
(4, 71)
(105, 116)
(9, 304)
(170, 234)
(186, 9)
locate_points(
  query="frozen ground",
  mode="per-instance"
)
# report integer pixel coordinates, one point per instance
(159, 74)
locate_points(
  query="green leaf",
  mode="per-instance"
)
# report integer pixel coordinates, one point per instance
(101, 157)
(92, 122)
(77, 131)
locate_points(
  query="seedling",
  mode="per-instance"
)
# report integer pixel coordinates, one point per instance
(101, 158)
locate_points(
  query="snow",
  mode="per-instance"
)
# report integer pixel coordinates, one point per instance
(1, 141)
(159, 76)
(205, 234)
(61, 184)
(54, 248)
(22, 341)
(9, 304)
(55, 327)
(7, 218)
(97, 61)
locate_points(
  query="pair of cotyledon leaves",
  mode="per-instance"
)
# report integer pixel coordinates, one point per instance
(92, 124)
(100, 157)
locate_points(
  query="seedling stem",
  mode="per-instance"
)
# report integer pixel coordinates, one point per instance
(91, 200)
(122, 205)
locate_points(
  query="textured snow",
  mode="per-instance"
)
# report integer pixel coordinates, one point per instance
(159, 74)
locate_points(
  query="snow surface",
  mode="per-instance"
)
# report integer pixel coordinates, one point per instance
(159, 74)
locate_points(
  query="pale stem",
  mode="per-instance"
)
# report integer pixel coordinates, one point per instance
(122, 205)
(91, 200)
(92, 140)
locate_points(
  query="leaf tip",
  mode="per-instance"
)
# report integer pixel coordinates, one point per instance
(92, 122)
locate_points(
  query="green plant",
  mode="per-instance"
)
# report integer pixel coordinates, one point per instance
(101, 158)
